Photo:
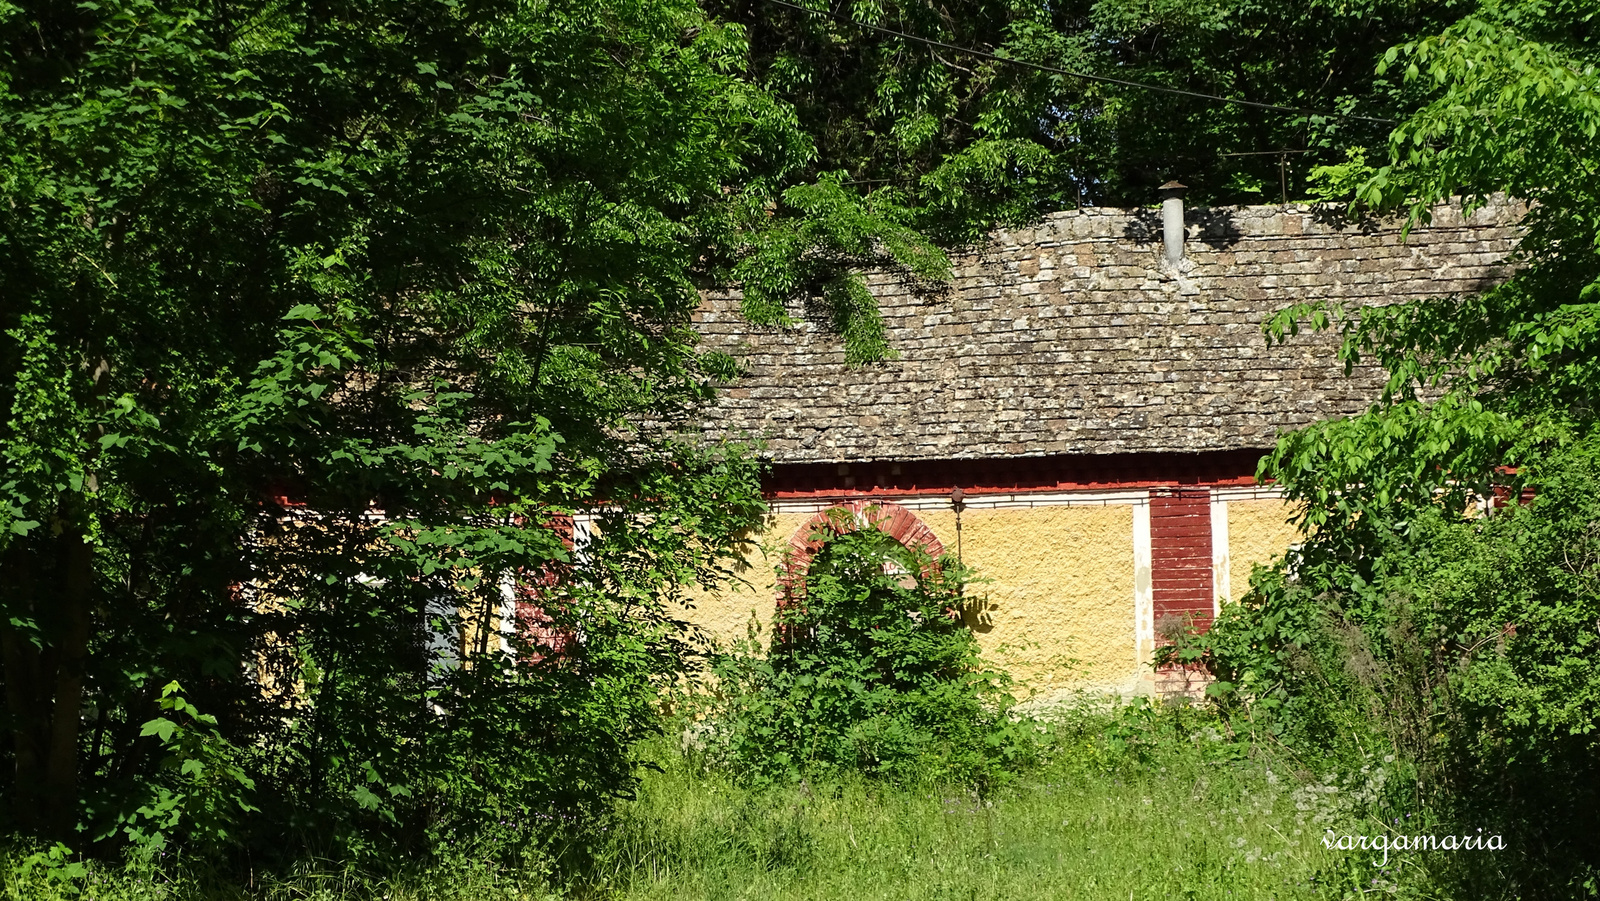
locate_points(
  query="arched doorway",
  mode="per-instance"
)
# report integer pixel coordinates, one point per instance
(891, 519)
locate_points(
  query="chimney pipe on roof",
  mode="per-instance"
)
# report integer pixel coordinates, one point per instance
(1172, 221)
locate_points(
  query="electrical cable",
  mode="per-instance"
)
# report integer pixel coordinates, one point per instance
(1085, 76)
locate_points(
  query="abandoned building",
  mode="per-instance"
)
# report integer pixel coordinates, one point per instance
(1079, 415)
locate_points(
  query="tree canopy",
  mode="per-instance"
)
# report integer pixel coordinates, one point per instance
(1478, 381)
(971, 113)
(1445, 602)
(318, 319)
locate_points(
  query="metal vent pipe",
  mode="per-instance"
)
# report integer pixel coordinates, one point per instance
(1172, 221)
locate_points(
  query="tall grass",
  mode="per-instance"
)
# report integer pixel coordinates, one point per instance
(1174, 825)
(1154, 812)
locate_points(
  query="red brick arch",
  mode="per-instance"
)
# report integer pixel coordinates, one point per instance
(892, 519)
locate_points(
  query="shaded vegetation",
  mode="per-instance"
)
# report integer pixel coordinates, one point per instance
(1146, 801)
(870, 669)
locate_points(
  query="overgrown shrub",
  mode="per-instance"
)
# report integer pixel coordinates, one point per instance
(873, 670)
(360, 331)
(1467, 646)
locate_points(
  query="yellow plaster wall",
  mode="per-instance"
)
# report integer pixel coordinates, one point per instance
(1057, 605)
(1258, 532)
(1058, 590)
(724, 616)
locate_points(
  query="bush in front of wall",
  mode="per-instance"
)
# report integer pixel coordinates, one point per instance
(874, 670)
(1460, 649)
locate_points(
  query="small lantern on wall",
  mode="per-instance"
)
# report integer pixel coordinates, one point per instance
(958, 502)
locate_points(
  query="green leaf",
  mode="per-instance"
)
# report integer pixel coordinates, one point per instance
(160, 727)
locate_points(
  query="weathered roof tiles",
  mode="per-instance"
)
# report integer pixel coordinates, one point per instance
(1074, 337)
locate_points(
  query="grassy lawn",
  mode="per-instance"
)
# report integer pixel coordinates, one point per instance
(1180, 820)
(1174, 826)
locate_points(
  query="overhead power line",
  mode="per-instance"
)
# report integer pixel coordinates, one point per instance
(1085, 76)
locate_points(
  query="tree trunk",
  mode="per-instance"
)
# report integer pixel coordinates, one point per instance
(44, 678)
(66, 720)
(21, 659)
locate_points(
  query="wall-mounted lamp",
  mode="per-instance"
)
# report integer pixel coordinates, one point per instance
(958, 502)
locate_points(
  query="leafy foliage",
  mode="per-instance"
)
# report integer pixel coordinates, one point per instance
(1478, 380)
(201, 789)
(1406, 621)
(319, 320)
(962, 141)
(1467, 645)
(873, 671)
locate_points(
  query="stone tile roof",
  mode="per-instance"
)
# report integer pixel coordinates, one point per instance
(1074, 337)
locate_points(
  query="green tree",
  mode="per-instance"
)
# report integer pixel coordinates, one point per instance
(1316, 57)
(1480, 380)
(1456, 659)
(268, 269)
(962, 140)
(1466, 645)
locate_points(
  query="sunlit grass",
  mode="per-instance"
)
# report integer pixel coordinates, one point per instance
(1173, 817)
(1173, 826)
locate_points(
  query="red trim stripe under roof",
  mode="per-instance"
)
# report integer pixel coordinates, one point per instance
(1007, 475)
